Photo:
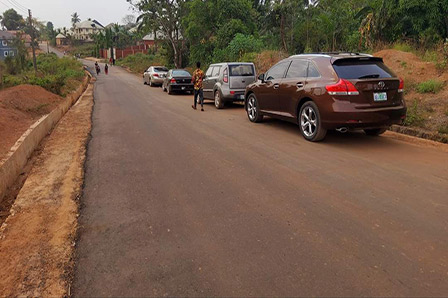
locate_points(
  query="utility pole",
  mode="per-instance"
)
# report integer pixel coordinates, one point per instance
(32, 40)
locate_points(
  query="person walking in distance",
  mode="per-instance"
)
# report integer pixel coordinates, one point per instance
(106, 69)
(97, 68)
(198, 77)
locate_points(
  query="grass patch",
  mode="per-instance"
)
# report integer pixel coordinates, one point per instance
(140, 62)
(443, 129)
(84, 50)
(430, 86)
(404, 47)
(414, 115)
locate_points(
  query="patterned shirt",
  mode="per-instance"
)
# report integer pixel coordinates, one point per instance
(198, 76)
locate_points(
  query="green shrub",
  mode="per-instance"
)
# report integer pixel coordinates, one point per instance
(430, 86)
(443, 129)
(11, 80)
(414, 115)
(404, 47)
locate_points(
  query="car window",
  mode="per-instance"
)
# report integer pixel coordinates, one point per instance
(160, 69)
(181, 73)
(242, 70)
(277, 71)
(312, 71)
(361, 69)
(209, 71)
(297, 69)
(216, 70)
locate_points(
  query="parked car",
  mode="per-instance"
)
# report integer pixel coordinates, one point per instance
(319, 92)
(155, 75)
(177, 80)
(226, 82)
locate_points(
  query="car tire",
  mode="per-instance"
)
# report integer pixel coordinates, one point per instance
(375, 131)
(310, 123)
(252, 109)
(219, 103)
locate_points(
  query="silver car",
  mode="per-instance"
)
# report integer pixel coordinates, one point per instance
(155, 75)
(226, 82)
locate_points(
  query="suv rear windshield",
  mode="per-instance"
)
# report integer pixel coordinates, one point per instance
(242, 70)
(361, 69)
(160, 69)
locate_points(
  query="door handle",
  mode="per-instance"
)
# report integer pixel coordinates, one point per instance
(276, 86)
(300, 85)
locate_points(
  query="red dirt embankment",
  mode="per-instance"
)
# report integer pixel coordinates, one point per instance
(20, 107)
(432, 108)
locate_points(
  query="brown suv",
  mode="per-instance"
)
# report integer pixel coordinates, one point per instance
(341, 91)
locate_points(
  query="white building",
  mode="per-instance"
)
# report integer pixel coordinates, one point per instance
(84, 30)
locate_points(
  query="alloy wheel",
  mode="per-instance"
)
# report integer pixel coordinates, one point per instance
(217, 100)
(252, 108)
(308, 121)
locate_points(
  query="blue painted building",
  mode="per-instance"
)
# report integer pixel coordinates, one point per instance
(6, 47)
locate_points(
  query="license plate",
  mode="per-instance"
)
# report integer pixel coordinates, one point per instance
(382, 96)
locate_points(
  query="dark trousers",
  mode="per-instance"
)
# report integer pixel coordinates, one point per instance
(199, 93)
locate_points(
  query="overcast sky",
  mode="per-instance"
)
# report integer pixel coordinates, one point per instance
(59, 11)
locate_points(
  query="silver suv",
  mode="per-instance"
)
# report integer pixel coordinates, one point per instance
(155, 75)
(226, 82)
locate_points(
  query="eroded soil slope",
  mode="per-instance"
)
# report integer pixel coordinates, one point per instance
(21, 106)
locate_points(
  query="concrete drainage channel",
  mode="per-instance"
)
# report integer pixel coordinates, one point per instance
(38, 235)
(11, 167)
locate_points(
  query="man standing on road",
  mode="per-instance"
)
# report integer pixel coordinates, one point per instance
(198, 76)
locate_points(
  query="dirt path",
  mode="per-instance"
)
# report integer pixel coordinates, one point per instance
(36, 241)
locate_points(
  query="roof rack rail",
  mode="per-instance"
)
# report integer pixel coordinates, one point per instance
(336, 53)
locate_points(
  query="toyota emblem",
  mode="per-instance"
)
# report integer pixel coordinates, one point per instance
(381, 85)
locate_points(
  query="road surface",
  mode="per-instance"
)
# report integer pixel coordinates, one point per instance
(180, 202)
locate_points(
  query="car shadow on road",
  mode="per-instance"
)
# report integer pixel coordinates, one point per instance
(335, 138)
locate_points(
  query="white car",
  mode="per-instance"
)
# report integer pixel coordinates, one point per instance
(155, 75)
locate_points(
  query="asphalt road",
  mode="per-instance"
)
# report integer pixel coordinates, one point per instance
(180, 202)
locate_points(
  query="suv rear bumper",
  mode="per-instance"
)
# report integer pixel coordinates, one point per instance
(365, 118)
(233, 94)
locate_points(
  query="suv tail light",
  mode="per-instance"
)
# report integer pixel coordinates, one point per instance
(401, 86)
(226, 76)
(173, 80)
(342, 87)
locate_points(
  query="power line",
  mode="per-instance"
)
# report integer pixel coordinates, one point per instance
(18, 4)
(20, 8)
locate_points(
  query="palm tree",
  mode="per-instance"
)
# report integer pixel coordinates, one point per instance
(75, 19)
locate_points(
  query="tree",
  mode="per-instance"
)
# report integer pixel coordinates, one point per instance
(75, 19)
(12, 20)
(129, 21)
(211, 25)
(163, 16)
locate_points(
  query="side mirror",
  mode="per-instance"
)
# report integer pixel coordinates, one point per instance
(261, 77)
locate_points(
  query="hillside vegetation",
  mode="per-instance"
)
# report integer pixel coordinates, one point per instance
(57, 75)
